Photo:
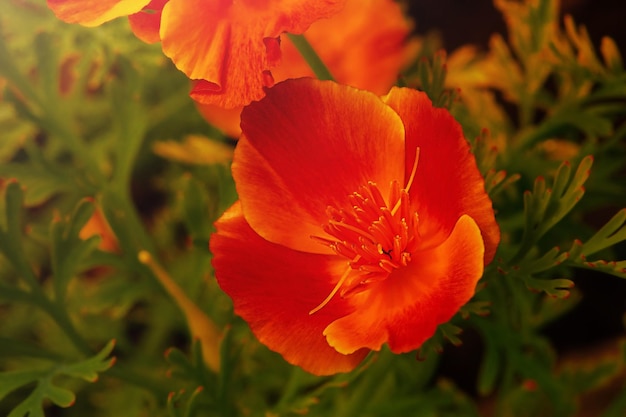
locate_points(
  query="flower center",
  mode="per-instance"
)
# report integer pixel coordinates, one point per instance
(376, 235)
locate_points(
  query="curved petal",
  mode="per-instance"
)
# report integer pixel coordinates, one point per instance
(274, 288)
(307, 145)
(448, 183)
(195, 34)
(234, 44)
(405, 309)
(359, 48)
(227, 120)
(279, 16)
(146, 24)
(94, 13)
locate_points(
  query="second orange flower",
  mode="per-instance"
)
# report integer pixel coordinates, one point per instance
(228, 47)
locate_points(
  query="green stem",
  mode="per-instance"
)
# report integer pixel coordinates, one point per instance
(48, 114)
(525, 111)
(142, 381)
(10, 348)
(290, 390)
(61, 318)
(55, 122)
(522, 251)
(363, 393)
(310, 56)
(59, 315)
(12, 74)
(122, 215)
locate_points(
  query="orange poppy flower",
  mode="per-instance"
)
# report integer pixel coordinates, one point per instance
(228, 47)
(361, 221)
(358, 47)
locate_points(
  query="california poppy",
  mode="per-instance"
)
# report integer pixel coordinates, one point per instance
(361, 221)
(358, 47)
(227, 47)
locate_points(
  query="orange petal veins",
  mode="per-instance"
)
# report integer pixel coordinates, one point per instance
(147, 23)
(234, 46)
(448, 183)
(405, 309)
(196, 34)
(94, 12)
(273, 289)
(359, 48)
(307, 145)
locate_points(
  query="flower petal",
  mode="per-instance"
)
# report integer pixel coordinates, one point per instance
(405, 309)
(448, 183)
(196, 34)
(307, 145)
(94, 13)
(274, 288)
(359, 48)
(234, 44)
(146, 24)
(227, 120)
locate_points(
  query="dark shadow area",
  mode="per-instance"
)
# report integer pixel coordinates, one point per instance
(473, 21)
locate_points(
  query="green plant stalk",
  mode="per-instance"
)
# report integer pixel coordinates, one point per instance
(9, 71)
(290, 389)
(367, 388)
(126, 224)
(18, 348)
(61, 318)
(51, 114)
(310, 56)
(119, 372)
(56, 125)
(59, 315)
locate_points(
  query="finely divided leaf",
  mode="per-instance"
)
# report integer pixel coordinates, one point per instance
(45, 389)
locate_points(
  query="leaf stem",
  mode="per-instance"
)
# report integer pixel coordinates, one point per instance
(363, 392)
(60, 316)
(310, 56)
(290, 389)
(200, 325)
(118, 371)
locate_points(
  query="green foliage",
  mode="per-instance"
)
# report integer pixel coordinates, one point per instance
(429, 74)
(80, 113)
(45, 389)
(545, 207)
(68, 249)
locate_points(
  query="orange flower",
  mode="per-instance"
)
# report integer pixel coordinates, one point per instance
(98, 225)
(358, 47)
(361, 221)
(227, 47)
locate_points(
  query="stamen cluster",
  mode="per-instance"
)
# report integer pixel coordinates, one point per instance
(378, 237)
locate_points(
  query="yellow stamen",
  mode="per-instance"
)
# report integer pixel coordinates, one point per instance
(352, 229)
(413, 171)
(410, 181)
(200, 326)
(384, 264)
(334, 291)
